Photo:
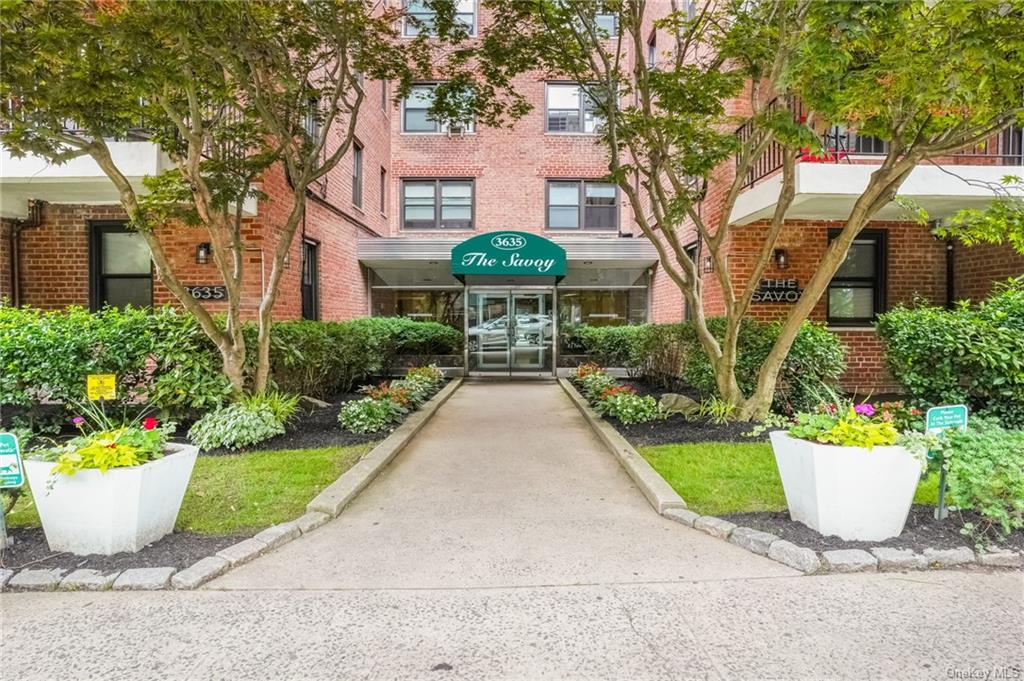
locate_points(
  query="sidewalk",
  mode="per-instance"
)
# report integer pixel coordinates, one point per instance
(505, 487)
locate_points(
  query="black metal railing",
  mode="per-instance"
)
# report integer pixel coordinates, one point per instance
(841, 145)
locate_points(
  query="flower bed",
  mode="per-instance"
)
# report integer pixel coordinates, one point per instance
(611, 399)
(387, 403)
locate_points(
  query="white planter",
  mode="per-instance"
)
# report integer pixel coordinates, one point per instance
(120, 510)
(850, 492)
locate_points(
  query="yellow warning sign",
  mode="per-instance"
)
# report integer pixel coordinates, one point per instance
(101, 386)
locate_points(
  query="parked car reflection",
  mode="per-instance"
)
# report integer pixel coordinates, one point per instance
(528, 330)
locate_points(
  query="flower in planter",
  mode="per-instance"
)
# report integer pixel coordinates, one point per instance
(864, 409)
(105, 442)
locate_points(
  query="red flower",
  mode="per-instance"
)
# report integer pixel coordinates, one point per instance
(149, 423)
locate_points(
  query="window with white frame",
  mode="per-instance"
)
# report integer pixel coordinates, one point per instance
(437, 204)
(571, 109)
(420, 17)
(416, 113)
(582, 205)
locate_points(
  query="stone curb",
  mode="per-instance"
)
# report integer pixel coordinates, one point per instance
(658, 492)
(325, 506)
(342, 491)
(880, 558)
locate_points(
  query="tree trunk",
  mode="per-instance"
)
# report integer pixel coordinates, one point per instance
(233, 358)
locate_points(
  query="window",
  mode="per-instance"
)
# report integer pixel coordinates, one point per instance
(582, 204)
(357, 174)
(693, 253)
(312, 119)
(420, 17)
(310, 280)
(607, 22)
(416, 113)
(570, 109)
(121, 273)
(383, 191)
(437, 204)
(856, 293)
(652, 50)
(384, 87)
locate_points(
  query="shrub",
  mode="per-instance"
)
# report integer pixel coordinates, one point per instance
(321, 358)
(628, 407)
(966, 355)
(596, 383)
(670, 354)
(160, 355)
(371, 414)
(986, 474)
(237, 425)
(617, 346)
(392, 337)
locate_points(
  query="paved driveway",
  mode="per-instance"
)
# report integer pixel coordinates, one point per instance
(505, 486)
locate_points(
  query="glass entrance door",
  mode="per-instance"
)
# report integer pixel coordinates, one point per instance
(510, 331)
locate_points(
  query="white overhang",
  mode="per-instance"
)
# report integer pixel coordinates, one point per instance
(580, 251)
(79, 180)
(828, 191)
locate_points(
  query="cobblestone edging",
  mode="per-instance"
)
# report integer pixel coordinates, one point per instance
(327, 505)
(800, 558)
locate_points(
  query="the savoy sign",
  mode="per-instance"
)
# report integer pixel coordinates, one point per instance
(777, 291)
(508, 253)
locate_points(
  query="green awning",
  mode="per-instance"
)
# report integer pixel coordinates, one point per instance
(508, 254)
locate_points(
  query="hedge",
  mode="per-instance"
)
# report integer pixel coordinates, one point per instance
(163, 357)
(670, 354)
(969, 355)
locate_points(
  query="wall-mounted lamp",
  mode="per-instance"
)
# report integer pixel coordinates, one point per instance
(203, 253)
(709, 264)
(781, 258)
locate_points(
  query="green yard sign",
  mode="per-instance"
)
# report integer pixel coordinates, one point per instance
(11, 472)
(945, 417)
(937, 420)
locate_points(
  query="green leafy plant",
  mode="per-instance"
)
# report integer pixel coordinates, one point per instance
(716, 410)
(970, 355)
(593, 385)
(106, 442)
(985, 468)
(628, 407)
(235, 426)
(371, 414)
(281, 405)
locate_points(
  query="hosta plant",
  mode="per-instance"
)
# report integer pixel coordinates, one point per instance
(371, 414)
(235, 426)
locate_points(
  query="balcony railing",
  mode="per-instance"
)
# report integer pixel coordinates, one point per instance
(840, 145)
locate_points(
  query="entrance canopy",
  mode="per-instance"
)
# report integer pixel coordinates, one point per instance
(508, 254)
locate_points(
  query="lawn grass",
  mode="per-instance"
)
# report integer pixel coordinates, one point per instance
(717, 478)
(244, 493)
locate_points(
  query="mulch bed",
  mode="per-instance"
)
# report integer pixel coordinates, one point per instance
(177, 550)
(922, 531)
(311, 429)
(677, 430)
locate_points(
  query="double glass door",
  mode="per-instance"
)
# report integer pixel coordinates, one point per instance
(510, 331)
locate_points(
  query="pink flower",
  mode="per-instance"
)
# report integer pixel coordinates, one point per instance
(78, 420)
(865, 409)
(149, 423)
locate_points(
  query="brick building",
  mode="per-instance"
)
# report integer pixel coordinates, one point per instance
(380, 229)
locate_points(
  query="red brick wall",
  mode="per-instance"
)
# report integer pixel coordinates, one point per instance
(6, 227)
(977, 268)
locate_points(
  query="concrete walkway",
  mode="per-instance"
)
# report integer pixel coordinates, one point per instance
(506, 486)
(513, 547)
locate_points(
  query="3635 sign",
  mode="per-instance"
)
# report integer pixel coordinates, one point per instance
(208, 292)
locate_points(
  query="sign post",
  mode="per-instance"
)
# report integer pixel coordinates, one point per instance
(101, 386)
(937, 420)
(12, 474)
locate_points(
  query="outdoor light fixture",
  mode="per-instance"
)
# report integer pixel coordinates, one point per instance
(709, 264)
(781, 258)
(203, 253)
